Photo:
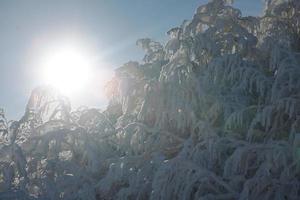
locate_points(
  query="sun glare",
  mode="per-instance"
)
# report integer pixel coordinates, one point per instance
(76, 69)
(68, 69)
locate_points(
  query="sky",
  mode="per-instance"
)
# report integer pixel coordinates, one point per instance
(108, 28)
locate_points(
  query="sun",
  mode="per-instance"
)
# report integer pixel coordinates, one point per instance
(67, 69)
(77, 69)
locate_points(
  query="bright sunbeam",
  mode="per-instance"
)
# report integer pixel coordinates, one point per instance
(68, 69)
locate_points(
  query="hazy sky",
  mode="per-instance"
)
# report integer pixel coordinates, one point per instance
(109, 27)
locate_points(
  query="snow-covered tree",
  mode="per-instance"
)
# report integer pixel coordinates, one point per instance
(213, 114)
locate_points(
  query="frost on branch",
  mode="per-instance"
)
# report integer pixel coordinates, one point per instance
(213, 114)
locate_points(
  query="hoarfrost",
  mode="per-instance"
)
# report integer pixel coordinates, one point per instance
(213, 114)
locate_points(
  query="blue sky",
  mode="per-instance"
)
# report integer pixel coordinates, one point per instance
(110, 27)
